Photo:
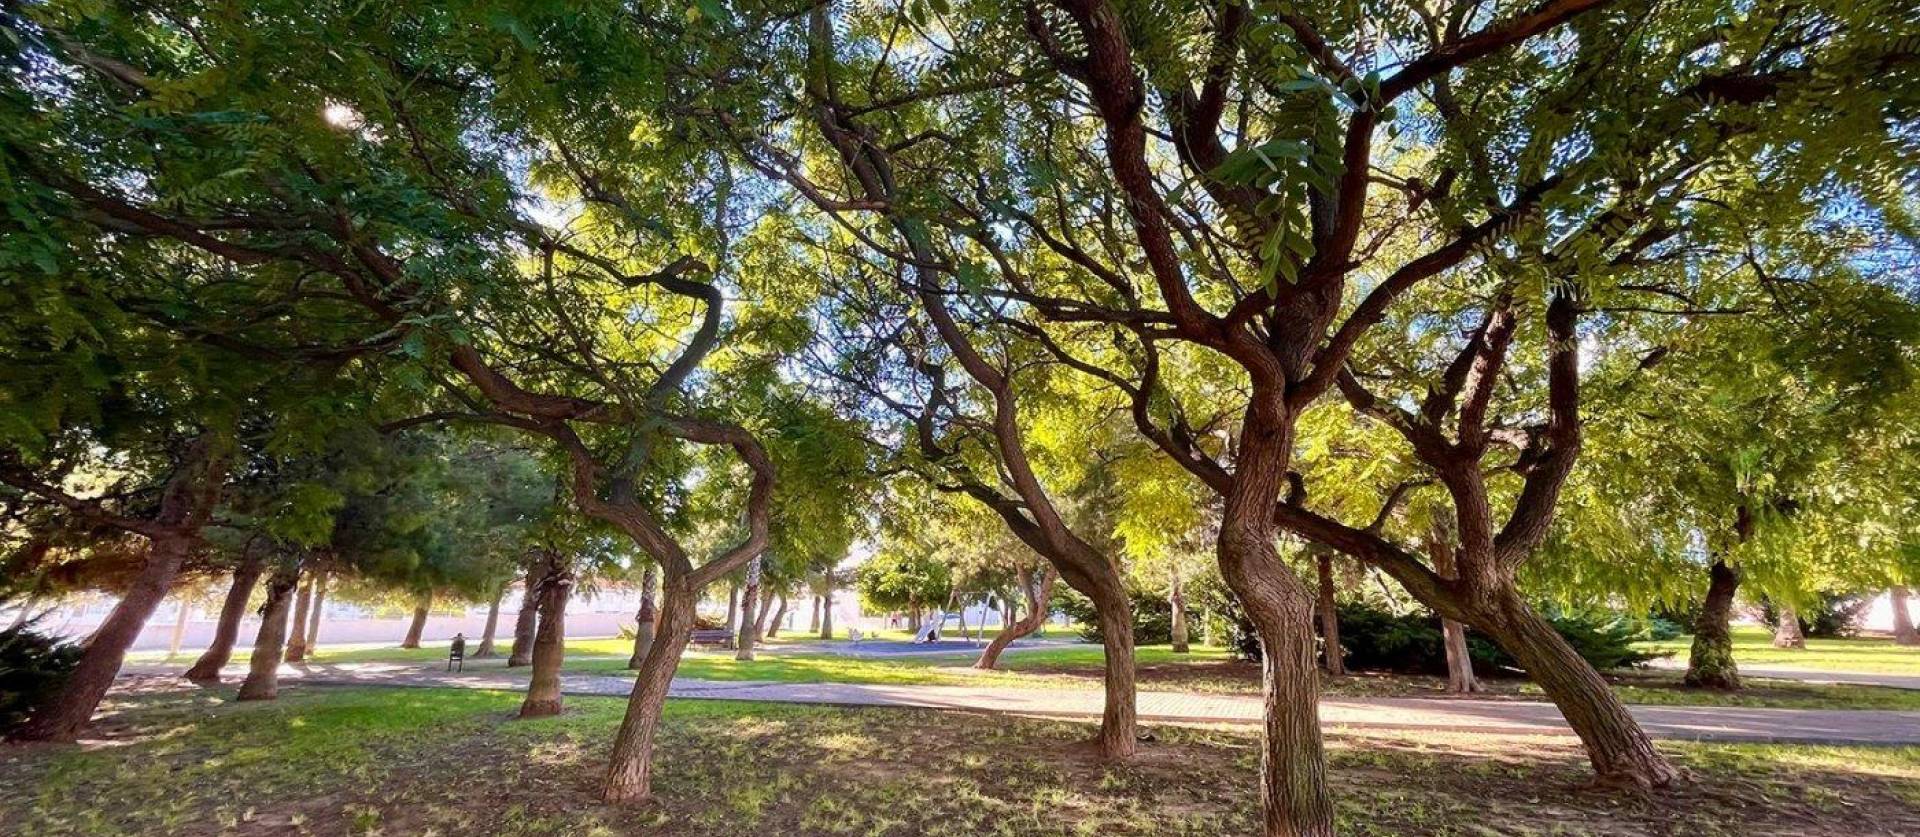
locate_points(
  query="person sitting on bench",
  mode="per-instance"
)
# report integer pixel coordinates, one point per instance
(457, 653)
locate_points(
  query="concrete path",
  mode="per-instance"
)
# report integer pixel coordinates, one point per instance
(1704, 723)
(1809, 675)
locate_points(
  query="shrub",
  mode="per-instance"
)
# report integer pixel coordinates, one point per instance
(1836, 615)
(1375, 639)
(32, 666)
(1152, 616)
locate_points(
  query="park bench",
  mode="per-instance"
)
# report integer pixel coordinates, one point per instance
(712, 636)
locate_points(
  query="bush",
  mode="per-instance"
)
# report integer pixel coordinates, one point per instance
(32, 666)
(1375, 639)
(1152, 616)
(1662, 628)
(1836, 615)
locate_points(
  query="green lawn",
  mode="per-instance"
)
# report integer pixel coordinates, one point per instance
(1753, 645)
(1205, 669)
(444, 761)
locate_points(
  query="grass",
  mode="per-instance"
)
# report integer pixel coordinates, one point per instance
(1753, 646)
(444, 761)
(1205, 670)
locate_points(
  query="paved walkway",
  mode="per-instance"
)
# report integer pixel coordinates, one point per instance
(1809, 675)
(1705, 723)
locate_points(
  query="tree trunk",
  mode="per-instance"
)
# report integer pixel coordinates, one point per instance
(227, 630)
(550, 640)
(749, 626)
(630, 775)
(523, 624)
(179, 627)
(1787, 634)
(1460, 679)
(779, 615)
(1114, 611)
(1177, 601)
(297, 634)
(1330, 648)
(66, 712)
(1037, 592)
(813, 622)
(826, 613)
(1710, 664)
(419, 626)
(766, 611)
(486, 651)
(1293, 789)
(643, 628)
(1903, 632)
(1621, 753)
(733, 616)
(313, 621)
(270, 645)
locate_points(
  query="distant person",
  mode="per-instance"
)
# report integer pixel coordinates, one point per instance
(457, 653)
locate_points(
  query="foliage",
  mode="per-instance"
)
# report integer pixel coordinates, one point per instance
(1152, 616)
(32, 666)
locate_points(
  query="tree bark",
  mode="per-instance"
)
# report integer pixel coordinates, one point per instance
(1787, 634)
(813, 622)
(1621, 753)
(630, 776)
(1333, 654)
(524, 623)
(179, 627)
(1460, 679)
(766, 607)
(733, 615)
(643, 628)
(1903, 632)
(313, 620)
(749, 626)
(227, 630)
(550, 640)
(419, 625)
(1710, 664)
(297, 634)
(779, 615)
(1037, 590)
(270, 645)
(63, 715)
(486, 650)
(826, 613)
(1177, 601)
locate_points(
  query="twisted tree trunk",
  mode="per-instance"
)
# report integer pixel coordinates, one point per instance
(1621, 753)
(1037, 589)
(227, 630)
(1710, 664)
(550, 641)
(297, 633)
(263, 670)
(643, 629)
(630, 776)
